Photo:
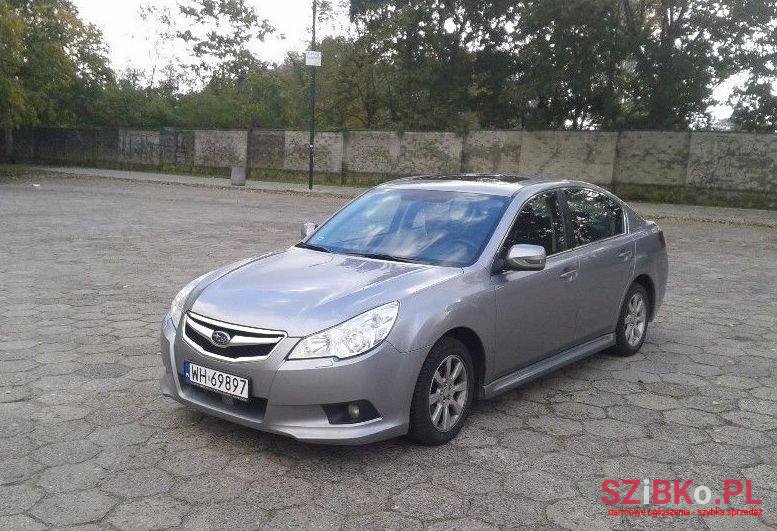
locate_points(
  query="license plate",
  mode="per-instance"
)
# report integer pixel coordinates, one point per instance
(214, 380)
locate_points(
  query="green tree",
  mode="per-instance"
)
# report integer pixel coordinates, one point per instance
(52, 66)
(218, 34)
(424, 51)
(572, 64)
(12, 95)
(755, 108)
(682, 49)
(755, 102)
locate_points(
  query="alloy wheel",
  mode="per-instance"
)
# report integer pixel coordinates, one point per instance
(448, 393)
(635, 320)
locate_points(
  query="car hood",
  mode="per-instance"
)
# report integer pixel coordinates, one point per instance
(301, 291)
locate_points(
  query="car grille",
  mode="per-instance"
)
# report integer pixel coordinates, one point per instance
(244, 342)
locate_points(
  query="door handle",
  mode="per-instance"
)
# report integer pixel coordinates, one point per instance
(569, 274)
(625, 254)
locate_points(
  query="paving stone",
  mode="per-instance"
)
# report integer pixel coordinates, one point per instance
(578, 513)
(238, 516)
(692, 417)
(540, 486)
(141, 482)
(64, 478)
(147, 514)
(16, 499)
(354, 497)
(17, 469)
(66, 452)
(555, 425)
(89, 269)
(304, 518)
(20, 522)
(466, 479)
(461, 524)
(614, 429)
(218, 489)
(429, 502)
(121, 435)
(380, 521)
(739, 436)
(506, 510)
(74, 508)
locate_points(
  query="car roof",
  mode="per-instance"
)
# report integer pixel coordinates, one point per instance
(481, 183)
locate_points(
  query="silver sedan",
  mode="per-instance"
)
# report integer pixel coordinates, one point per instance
(412, 301)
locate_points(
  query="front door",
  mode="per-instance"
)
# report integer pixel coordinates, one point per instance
(536, 310)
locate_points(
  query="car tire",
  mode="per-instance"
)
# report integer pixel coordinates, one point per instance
(632, 322)
(432, 391)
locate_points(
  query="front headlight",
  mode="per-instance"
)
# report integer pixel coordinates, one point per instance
(176, 308)
(351, 338)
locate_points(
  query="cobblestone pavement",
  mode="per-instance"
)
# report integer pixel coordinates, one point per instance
(88, 268)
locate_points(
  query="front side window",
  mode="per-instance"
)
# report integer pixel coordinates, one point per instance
(594, 216)
(539, 223)
(408, 225)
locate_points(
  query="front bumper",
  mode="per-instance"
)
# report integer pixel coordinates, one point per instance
(286, 396)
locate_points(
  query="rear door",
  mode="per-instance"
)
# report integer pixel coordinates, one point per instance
(536, 310)
(599, 234)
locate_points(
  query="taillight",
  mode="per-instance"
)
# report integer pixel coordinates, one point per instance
(661, 239)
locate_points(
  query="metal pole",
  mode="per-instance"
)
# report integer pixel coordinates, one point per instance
(312, 103)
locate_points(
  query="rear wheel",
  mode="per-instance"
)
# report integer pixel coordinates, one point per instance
(443, 393)
(633, 322)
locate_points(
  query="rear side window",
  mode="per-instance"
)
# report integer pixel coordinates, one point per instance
(594, 216)
(539, 223)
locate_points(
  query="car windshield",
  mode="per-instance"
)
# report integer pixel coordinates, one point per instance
(408, 225)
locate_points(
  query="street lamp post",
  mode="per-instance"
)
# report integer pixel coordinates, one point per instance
(312, 99)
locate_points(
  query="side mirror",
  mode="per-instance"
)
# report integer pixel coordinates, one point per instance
(523, 257)
(308, 228)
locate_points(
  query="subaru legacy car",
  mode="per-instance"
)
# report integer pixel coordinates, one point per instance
(415, 299)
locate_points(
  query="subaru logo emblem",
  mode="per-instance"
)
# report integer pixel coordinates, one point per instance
(221, 338)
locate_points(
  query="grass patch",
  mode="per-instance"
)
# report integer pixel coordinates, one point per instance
(691, 195)
(14, 170)
(328, 179)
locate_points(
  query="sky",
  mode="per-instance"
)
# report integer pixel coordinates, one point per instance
(131, 41)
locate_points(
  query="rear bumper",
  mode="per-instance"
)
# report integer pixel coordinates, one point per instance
(287, 395)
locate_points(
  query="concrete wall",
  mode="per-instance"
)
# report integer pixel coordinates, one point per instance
(492, 151)
(69, 145)
(328, 156)
(733, 161)
(584, 155)
(265, 149)
(140, 147)
(422, 153)
(371, 152)
(701, 162)
(652, 157)
(177, 148)
(107, 145)
(216, 149)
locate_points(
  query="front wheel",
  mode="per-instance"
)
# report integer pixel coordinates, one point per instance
(633, 322)
(443, 393)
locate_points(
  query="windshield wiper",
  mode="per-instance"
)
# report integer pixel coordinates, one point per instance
(306, 245)
(380, 256)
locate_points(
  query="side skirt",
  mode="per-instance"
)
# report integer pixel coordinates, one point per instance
(543, 367)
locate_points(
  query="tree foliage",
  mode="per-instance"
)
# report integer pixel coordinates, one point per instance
(572, 64)
(52, 66)
(426, 64)
(218, 33)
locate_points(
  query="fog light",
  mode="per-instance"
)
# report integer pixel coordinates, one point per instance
(350, 412)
